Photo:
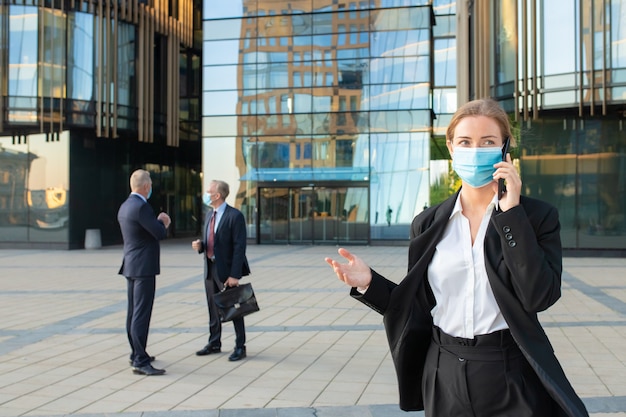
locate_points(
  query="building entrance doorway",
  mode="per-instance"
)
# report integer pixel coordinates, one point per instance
(313, 215)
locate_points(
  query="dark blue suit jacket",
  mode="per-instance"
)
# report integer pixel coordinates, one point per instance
(230, 245)
(141, 232)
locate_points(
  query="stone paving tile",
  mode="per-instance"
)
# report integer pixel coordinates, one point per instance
(312, 351)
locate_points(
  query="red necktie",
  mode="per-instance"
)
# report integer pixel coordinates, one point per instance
(211, 240)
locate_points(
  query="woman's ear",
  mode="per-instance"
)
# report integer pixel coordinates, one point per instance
(449, 146)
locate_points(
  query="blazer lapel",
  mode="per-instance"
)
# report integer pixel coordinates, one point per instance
(223, 219)
(422, 248)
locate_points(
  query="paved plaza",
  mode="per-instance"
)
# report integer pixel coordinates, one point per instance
(312, 350)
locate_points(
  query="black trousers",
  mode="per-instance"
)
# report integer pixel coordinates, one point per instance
(212, 285)
(140, 301)
(481, 377)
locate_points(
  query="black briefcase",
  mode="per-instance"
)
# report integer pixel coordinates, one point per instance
(235, 302)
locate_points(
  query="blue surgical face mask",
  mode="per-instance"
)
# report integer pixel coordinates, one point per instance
(206, 199)
(149, 194)
(475, 165)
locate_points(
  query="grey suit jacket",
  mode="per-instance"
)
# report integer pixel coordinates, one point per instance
(141, 232)
(524, 263)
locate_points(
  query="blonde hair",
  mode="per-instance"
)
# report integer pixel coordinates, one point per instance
(482, 107)
(138, 179)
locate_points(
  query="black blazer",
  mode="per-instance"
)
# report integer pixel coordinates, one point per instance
(524, 263)
(230, 245)
(141, 232)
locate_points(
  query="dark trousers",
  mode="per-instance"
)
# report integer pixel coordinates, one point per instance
(213, 285)
(140, 301)
(481, 377)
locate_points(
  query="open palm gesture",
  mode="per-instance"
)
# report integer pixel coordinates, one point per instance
(355, 273)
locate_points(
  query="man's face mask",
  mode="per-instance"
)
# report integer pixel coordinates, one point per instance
(206, 199)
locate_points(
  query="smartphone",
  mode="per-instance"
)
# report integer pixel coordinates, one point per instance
(501, 186)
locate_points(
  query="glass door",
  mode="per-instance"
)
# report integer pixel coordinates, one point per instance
(301, 215)
(352, 205)
(326, 215)
(313, 215)
(341, 215)
(273, 215)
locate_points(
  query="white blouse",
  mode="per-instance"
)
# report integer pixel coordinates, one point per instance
(466, 305)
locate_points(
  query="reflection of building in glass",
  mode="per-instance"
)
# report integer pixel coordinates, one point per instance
(301, 102)
(301, 83)
(337, 110)
(332, 108)
(49, 208)
(14, 168)
(91, 91)
(20, 206)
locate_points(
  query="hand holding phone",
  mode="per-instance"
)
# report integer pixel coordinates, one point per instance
(501, 186)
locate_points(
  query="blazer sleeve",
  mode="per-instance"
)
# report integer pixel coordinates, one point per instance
(531, 248)
(150, 223)
(239, 265)
(378, 293)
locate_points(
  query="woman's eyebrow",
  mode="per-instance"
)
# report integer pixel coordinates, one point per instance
(482, 137)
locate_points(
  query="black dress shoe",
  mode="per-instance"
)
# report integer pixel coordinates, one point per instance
(208, 349)
(152, 359)
(148, 370)
(238, 354)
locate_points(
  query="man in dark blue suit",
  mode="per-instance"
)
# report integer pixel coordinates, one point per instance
(141, 232)
(224, 248)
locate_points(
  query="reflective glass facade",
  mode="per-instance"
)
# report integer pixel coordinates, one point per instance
(34, 189)
(88, 95)
(328, 118)
(326, 111)
(563, 75)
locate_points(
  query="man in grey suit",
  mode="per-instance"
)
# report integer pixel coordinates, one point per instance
(141, 231)
(224, 249)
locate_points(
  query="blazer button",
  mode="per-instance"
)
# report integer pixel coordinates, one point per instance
(506, 229)
(512, 243)
(508, 236)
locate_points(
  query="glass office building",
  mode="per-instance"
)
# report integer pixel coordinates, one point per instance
(327, 109)
(89, 92)
(559, 67)
(328, 117)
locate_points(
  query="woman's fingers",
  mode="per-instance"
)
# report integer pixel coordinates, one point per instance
(346, 254)
(341, 269)
(355, 273)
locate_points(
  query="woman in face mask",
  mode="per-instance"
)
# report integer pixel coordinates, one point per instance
(462, 324)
